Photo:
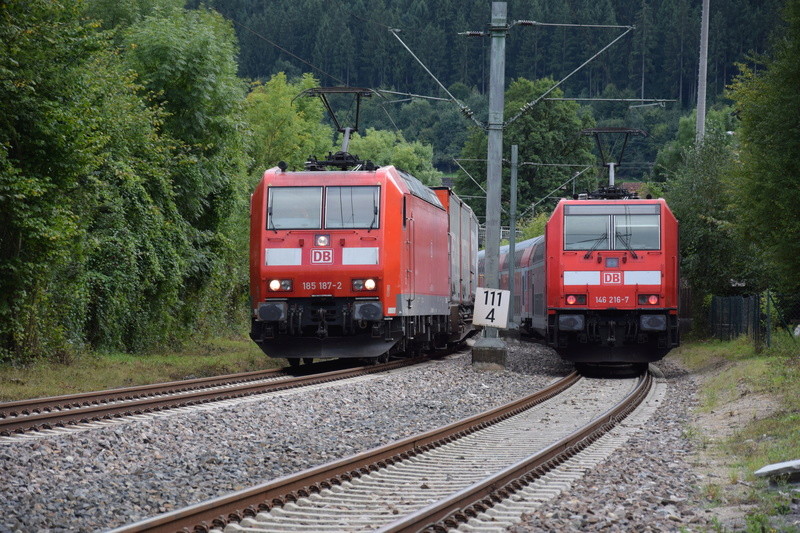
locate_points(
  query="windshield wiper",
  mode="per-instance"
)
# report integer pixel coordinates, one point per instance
(597, 242)
(627, 244)
(374, 212)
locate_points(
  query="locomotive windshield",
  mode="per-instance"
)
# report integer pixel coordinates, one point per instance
(351, 207)
(612, 227)
(294, 208)
(345, 207)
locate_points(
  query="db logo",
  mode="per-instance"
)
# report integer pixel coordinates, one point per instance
(612, 278)
(321, 257)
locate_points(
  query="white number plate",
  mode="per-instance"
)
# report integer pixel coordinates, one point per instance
(611, 299)
(322, 285)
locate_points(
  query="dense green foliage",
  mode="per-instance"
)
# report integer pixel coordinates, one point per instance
(390, 148)
(117, 181)
(736, 193)
(768, 107)
(284, 127)
(350, 41)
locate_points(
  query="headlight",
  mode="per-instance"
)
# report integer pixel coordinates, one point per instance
(576, 299)
(322, 240)
(368, 284)
(648, 299)
(276, 285)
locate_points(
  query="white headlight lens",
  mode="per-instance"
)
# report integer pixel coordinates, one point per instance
(369, 284)
(275, 285)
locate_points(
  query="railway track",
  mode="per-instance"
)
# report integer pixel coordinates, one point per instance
(440, 479)
(60, 411)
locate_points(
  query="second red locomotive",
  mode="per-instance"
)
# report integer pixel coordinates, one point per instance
(358, 263)
(601, 286)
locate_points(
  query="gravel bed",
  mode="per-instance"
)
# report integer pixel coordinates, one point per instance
(102, 478)
(98, 479)
(648, 485)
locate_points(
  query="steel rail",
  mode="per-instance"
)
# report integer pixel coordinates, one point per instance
(217, 513)
(82, 399)
(105, 411)
(458, 508)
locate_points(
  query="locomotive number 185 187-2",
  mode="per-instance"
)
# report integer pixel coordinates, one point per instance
(322, 285)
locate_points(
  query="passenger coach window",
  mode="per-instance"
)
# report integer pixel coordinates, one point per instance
(294, 208)
(352, 207)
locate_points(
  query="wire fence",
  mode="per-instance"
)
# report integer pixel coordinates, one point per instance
(757, 316)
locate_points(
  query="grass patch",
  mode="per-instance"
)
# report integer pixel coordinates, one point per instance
(98, 371)
(732, 371)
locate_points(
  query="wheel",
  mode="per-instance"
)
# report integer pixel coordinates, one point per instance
(294, 362)
(307, 360)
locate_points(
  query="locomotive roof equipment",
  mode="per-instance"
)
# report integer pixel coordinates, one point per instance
(612, 192)
(342, 159)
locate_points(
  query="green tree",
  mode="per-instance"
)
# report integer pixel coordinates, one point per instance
(534, 226)
(186, 60)
(718, 122)
(768, 106)
(91, 245)
(701, 194)
(186, 63)
(285, 127)
(46, 147)
(390, 148)
(119, 14)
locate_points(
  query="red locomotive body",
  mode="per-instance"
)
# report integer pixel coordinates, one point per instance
(358, 263)
(601, 286)
(612, 280)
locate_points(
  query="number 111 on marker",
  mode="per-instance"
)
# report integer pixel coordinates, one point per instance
(491, 307)
(490, 296)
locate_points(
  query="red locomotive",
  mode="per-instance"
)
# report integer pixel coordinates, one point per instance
(601, 286)
(358, 263)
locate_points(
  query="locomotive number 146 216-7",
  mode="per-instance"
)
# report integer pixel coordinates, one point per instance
(322, 285)
(611, 299)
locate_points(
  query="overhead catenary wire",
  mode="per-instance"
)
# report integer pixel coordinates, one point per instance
(284, 50)
(469, 113)
(532, 103)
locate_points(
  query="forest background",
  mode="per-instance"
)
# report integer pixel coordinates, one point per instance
(132, 132)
